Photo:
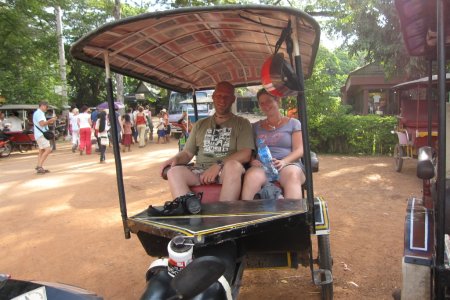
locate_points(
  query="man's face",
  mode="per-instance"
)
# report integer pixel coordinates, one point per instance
(44, 107)
(223, 98)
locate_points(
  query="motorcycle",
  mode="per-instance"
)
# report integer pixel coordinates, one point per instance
(5, 145)
(22, 290)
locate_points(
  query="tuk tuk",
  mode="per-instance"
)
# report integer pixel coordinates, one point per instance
(192, 49)
(426, 266)
(416, 102)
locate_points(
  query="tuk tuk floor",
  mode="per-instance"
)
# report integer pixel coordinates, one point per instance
(65, 226)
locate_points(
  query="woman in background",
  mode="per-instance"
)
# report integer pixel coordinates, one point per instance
(102, 126)
(85, 125)
(141, 125)
(127, 132)
(75, 130)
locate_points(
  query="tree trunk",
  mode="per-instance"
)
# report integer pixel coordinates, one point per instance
(119, 78)
(62, 57)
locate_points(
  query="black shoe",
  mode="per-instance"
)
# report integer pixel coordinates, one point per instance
(183, 205)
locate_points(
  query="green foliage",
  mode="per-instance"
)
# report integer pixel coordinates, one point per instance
(28, 66)
(344, 133)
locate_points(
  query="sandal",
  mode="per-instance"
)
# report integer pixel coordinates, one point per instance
(41, 170)
(45, 170)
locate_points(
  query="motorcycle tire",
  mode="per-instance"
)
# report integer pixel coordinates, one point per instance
(6, 150)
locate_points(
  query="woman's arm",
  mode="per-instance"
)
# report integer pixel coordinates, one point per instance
(295, 155)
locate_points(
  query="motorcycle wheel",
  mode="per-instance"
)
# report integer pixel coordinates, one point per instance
(325, 262)
(6, 151)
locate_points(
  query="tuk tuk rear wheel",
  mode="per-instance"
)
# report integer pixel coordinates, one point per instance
(325, 262)
(398, 157)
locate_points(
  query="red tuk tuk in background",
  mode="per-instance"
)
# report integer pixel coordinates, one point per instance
(425, 27)
(414, 107)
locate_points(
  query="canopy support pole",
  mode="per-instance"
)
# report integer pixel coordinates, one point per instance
(429, 102)
(301, 109)
(194, 103)
(440, 205)
(116, 147)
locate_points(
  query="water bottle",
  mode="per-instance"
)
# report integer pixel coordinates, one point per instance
(180, 251)
(266, 159)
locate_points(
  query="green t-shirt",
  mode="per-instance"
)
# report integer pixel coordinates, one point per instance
(211, 142)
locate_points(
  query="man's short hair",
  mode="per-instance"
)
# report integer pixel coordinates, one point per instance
(43, 102)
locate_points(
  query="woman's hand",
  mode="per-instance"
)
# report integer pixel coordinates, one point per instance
(278, 164)
(210, 174)
(255, 163)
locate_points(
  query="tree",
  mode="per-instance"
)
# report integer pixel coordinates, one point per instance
(28, 69)
(370, 27)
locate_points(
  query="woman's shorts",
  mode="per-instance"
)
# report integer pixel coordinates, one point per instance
(161, 133)
(297, 163)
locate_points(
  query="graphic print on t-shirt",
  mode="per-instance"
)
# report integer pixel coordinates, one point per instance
(217, 142)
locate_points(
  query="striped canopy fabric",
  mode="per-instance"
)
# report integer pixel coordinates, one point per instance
(194, 48)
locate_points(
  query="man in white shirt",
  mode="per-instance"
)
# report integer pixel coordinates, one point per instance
(13, 122)
(41, 125)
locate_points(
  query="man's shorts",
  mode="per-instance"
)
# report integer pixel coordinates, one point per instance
(198, 170)
(43, 143)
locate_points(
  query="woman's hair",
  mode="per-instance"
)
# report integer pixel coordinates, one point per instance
(84, 108)
(140, 109)
(102, 117)
(263, 91)
(127, 118)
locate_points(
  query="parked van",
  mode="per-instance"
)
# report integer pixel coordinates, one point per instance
(180, 102)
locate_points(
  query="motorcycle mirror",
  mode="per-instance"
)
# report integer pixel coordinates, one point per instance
(197, 276)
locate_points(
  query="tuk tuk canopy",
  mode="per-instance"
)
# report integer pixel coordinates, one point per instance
(195, 48)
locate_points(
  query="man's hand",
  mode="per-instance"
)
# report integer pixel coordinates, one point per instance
(210, 175)
(170, 162)
(52, 120)
(255, 163)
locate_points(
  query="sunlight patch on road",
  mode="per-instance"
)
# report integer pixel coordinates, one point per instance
(47, 182)
(380, 165)
(373, 178)
(5, 186)
(55, 209)
(343, 171)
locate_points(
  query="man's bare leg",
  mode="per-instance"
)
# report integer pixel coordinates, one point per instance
(255, 177)
(231, 179)
(43, 154)
(180, 179)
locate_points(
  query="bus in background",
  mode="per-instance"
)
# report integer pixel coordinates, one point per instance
(180, 102)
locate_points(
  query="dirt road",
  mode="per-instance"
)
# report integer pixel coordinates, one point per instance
(65, 226)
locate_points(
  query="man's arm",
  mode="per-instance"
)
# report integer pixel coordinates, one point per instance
(43, 123)
(181, 158)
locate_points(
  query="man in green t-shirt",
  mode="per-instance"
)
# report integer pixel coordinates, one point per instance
(222, 143)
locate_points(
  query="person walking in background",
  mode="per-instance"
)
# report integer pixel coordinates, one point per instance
(148, 115)
(102, 128)
(41, 123)
(161, 128)
(133, 128)
(141, 124)
(127, 132)
(75, 129)
(166, 124)
(85, 124)
(119, 124)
